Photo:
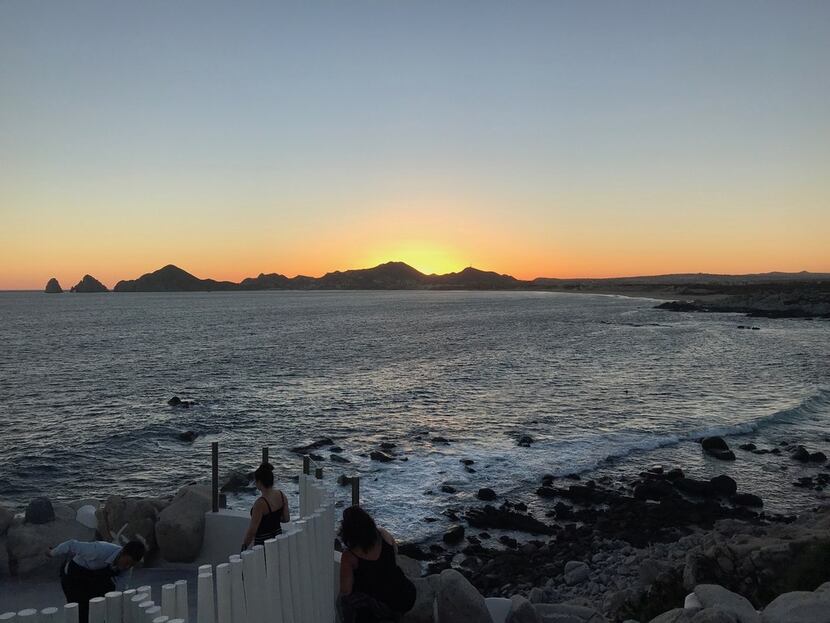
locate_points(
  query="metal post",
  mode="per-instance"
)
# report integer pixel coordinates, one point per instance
(307, 465)
(355, 490)
(214, 450)
(318, 473)
(265, 455)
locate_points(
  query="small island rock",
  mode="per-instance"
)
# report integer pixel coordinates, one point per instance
(53, 287)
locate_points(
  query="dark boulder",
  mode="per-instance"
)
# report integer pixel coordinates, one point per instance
(699, 488)
(801, 454)
(749, 447)
(237, 480)
(723, 485)
(747, 499)
(40, 511)
(466, 462)
(448, 489)
(717, 447)
(188, 436)
(486, 494)
(440, 439)
(388, 445)
(377, 455)
(525, 441)
(674, 473)
(454, 535)
(413, 551)
(339, 459)
(653, 490)
(320, 443)
(489, 517)
(343, 480)
(818, 457)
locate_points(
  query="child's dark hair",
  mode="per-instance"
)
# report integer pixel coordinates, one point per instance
(265, 474)
(358, 528)
(135, 550)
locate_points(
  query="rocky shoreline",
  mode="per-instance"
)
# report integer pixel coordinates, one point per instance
(600, 549)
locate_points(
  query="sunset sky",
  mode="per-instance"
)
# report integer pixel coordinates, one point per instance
(534, 138)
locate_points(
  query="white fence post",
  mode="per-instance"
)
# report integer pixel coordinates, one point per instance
(49, 615)
(304, 560)
(223, 593)
(70, 613)
(8, 617)
(97, 610)
(204, 598)
(29, 615)
(273, 590)
(114, 607)
(181, 600)
(126, 599)
(147, 590)
(239, 608)
(252, 597)
(168, 600)
(152, 613)
(161, 619)
(284, 574)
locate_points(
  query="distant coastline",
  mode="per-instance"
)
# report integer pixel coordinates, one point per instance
(774, 294)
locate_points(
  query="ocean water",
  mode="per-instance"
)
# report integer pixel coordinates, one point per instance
(603, 384)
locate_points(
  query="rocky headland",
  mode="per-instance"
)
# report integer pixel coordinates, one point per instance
(777, 295)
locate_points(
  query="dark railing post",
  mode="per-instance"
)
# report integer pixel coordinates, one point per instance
(265, 455)
(318, 473)
(214, 450)
(307, 465)
(355, 490)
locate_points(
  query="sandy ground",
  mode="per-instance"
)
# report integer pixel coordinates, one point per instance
(16, 594)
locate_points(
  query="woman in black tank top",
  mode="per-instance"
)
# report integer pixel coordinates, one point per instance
(269, 511)
(372, 586)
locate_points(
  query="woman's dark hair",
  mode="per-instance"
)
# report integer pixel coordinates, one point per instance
(265, 474)
(358, 528)
(135, 550)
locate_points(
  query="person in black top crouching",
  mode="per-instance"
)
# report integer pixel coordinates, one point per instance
(269, 511)
(372, 586)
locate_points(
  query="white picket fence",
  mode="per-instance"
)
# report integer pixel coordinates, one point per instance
(134, 605)
(291, 579)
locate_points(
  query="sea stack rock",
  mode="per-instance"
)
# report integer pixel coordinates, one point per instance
(89, 284)
(53, 287)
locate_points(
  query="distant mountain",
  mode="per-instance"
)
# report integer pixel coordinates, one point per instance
(687, 279)
(388, 276)
(89, 284)
(172, 279)
(53, 287)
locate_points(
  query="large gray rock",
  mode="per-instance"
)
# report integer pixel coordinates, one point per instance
(122, 519)
(28, 544)
(522, 611)
(426, 590)
(565, 613)
(411, 568)
(180, 528)
(798, 607)
(711, 595)
(458, 601)
(40, 511)
(714, 615)
(576, 572)
(678, 615)
(6, 517)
